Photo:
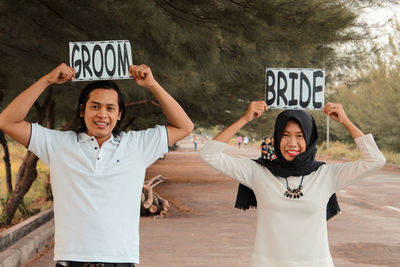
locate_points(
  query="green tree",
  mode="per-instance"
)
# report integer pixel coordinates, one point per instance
(199, 50)
(374, 104)
(210, 55)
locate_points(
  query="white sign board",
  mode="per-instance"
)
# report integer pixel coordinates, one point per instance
(295, 88)
(100, 60)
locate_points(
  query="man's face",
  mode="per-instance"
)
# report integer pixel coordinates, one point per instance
(101, 113)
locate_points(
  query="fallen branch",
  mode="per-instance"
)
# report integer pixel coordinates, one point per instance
(151, 202)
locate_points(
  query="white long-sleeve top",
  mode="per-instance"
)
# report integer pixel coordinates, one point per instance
(293, 232)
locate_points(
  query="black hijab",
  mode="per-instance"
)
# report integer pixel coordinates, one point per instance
(303, 164)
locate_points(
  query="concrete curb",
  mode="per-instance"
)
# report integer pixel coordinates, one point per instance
(23, 241)
(27, 247)
(13, 234)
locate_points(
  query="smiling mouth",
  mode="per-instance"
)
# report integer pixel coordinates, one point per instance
(102, 124)
(292, 153)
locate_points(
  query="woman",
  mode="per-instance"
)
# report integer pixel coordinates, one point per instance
(294, 193)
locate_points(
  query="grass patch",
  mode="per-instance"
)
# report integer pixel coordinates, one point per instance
(252, 142)
(339, 150)
(391, 157)
(36, 199)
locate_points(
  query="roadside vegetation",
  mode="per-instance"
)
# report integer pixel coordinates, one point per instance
(213, 76)
(36, 199)
(338, 150)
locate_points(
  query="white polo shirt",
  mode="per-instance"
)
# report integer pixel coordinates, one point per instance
(97, 190)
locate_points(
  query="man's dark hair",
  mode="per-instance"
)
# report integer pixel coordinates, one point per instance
(84, 97)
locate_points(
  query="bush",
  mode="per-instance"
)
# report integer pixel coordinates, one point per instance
(339, 150)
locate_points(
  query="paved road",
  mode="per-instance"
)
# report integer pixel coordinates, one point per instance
(203, 229)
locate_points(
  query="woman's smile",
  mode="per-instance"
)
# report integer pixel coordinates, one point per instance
(293, 153)
(292, 142)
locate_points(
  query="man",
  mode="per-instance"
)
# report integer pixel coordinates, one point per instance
(245, 141)
(96, 174)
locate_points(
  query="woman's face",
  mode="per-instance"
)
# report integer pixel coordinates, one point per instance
(293, 142)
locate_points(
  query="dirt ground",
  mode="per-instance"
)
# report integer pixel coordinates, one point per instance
(203, 228)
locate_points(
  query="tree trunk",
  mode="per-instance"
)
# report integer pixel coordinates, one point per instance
(29, 175)
(50, 114)
(6, 157)
(22, 169)
(50, 119)
(27, 172)
(7, 162)
(71, 124)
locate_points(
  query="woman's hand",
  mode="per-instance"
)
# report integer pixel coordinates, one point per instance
(255, 110)
(336, 112)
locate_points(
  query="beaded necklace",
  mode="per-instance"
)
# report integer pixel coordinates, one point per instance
(294, 193)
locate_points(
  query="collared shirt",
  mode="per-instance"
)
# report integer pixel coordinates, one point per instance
(97, 190)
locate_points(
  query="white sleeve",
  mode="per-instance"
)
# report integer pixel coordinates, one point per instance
(44, 142)
(152, 143)
(240, 169)
(372, 161)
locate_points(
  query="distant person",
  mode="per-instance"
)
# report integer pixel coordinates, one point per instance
(294, 194)
(271, 149)
(195, 142)
(245, 141)
(264, 148)
(97, 172)
(239, 141)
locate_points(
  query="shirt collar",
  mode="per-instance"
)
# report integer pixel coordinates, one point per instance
(84, 137)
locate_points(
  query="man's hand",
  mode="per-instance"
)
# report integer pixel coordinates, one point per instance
(142, 75)
(60, 74)
(255, 110)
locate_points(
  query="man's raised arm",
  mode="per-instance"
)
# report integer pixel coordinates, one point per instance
(12, 118)
(179, 123)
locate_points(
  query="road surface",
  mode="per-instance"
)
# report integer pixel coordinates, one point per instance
(205, 230)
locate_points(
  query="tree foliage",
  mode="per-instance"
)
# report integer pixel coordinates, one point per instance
(374, 103)
(211, 55)
(371, 94)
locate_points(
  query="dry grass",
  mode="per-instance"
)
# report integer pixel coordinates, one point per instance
(391, 157)
(35, 199)
(339, 150)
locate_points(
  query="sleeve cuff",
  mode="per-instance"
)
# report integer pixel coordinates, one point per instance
(368, 138)
(30, 137)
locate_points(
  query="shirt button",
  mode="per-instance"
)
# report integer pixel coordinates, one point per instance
(95, 147)
(92, 139)
(98, 158)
